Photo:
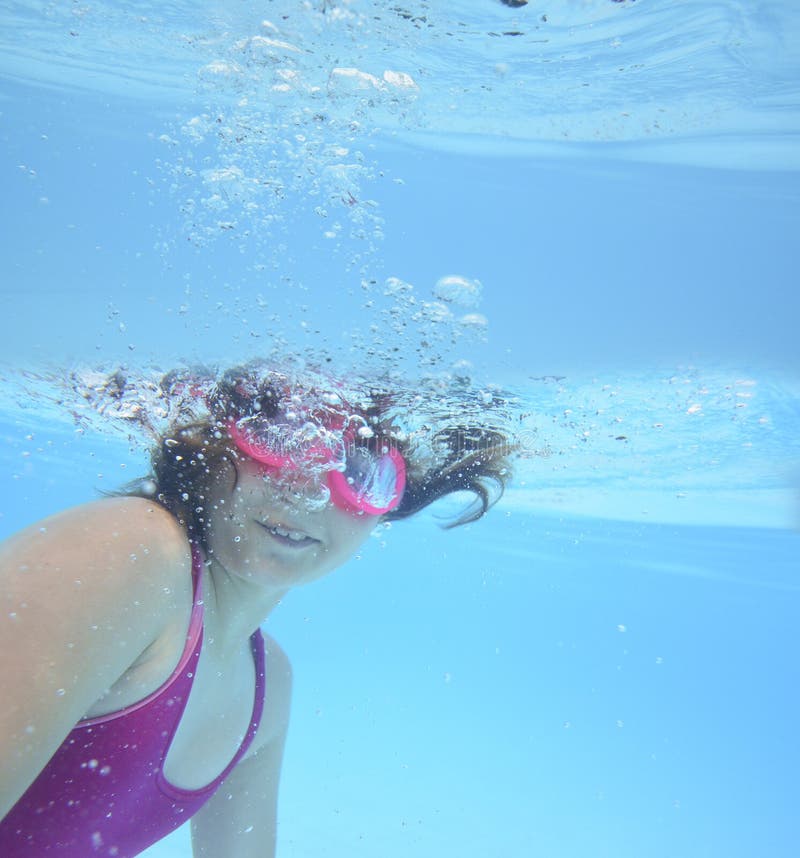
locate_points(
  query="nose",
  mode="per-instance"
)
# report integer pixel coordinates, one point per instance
(302, 491)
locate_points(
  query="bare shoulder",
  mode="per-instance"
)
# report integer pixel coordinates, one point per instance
(118, 563)
(102, 538)
(113, 518)
(82, 595)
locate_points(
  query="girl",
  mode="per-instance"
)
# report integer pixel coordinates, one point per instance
(135, 679)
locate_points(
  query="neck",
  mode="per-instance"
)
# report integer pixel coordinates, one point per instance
(234, 607)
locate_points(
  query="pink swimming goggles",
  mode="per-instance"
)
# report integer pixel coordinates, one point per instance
(361, 477)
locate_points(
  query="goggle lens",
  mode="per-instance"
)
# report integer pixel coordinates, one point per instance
(371, 482)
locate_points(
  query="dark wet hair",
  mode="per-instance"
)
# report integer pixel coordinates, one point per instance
(456, 458)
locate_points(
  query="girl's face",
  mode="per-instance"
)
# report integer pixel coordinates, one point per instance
(263, 529)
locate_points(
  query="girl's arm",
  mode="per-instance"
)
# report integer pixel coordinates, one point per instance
(240, 820)
(82, 595)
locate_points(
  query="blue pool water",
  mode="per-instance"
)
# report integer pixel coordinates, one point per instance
(606, 664)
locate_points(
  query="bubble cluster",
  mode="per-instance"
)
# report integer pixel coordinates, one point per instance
(285, 131)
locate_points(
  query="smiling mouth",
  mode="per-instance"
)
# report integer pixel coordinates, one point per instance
(288, 537)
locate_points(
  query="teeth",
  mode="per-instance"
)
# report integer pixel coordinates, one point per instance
(295, 535)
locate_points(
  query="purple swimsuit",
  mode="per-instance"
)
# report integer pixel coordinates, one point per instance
(104, 791)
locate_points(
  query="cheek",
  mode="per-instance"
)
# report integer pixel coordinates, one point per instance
(226, 530)
(228, 513)
(353, 531)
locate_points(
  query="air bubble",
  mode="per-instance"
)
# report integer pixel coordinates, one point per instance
(458, 290)
(474, 320)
